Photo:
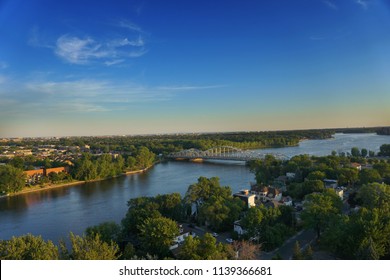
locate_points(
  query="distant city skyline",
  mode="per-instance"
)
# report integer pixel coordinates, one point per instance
(79, 68)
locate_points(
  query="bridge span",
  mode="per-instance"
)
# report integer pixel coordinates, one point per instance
(223, 153)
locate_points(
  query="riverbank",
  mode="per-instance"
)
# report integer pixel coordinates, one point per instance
(38, 188)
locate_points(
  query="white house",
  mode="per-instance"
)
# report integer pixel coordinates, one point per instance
(247, 197)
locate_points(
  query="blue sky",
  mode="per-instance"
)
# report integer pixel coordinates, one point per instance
(148, 66)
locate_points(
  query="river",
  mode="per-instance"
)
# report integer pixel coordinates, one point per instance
(54, 213)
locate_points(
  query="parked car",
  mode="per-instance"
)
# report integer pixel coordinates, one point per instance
(229, 240)
(214, 234)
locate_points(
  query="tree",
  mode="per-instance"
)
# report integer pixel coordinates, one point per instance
(131, 163)
(319, 210)
(297, 251)
(145, 158)
(348, 176)
(308, 253)
(170, 206)
(204, 189)
(107, 231)
(375, 195)
(246, 250)
(252, 222)
(205, 248)
(90, 248)
(12, 179)
(355, 152)
(364, 152)
(384, 150)
(316, 175)
(367, 176)
(140, 209)
(28, 247)
(157, 235)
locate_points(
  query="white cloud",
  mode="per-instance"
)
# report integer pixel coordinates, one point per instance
(80, 51)
(87, 50)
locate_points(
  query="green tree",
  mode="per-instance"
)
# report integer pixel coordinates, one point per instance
(297, 251)
(28, 247)
(364, 152)
(140, 209)
(252, 222)
(171, 206)
(384, 150)
(205, 248)
(355, 152)
(367, 176)
(12, 179)
(348, 176)
(375, 195)
(308, 253)
(131, 163)
(319, 210)
(90, 248)
(145, 158)
(157, 235)
(107, 231)
(316, 175)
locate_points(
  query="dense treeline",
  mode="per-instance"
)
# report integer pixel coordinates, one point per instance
(90, 167)
(87, 167)
(363, 231)
(310, 171)
(163, 144)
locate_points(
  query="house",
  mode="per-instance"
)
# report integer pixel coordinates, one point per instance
(55, 170)
(274, 194)
(356, 165)
(290, 175)
(340, 192)
(330, 184)
(247, 197)
(33, 176)
(287, 200)
(184, 233)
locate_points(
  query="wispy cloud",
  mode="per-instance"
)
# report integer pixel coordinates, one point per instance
(331, 5)
(362, 3)
(87, 50)
(128, 42)
(130, 26)
(87, 96)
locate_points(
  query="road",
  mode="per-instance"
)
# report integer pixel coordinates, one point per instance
(304, 237)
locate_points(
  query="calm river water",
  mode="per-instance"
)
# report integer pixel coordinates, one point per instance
(54, 213)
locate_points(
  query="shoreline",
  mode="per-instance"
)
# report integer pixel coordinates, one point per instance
(37, 188)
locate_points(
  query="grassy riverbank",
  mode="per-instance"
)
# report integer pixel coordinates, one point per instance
(49, 186)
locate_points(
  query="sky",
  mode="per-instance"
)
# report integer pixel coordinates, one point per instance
(120, 67)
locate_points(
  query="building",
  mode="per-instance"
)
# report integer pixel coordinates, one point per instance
(247, 197)
(330, 184)
(34, 176)
(356, 165)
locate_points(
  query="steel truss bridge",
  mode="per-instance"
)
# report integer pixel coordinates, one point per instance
(223, 153)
